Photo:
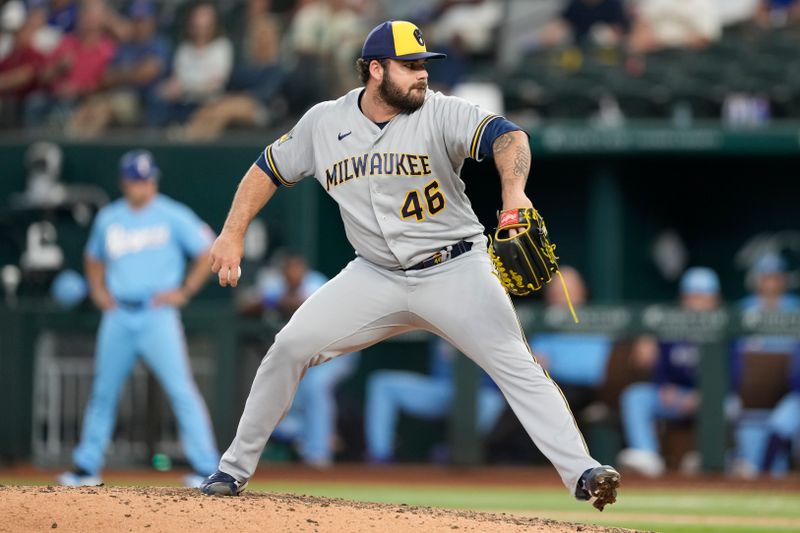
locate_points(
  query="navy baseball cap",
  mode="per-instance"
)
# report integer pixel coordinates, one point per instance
(397, 39)
(138, 165)
(141, 9)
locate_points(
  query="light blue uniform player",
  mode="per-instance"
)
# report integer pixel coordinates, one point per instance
(390, 392)
(135, 264)
(763, 438)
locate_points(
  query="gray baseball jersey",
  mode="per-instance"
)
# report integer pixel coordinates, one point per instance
(398, 188)
(401, 200)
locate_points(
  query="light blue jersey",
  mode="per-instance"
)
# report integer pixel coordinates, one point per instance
(145, 250)
(574, 359)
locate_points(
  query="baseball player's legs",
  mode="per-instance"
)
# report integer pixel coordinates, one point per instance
(390, 392)
(463, 301)
(163, 347)
(785, 417)
(115, 355)
(359, 307)
(641, 408)
(638, 403)
(783, 426)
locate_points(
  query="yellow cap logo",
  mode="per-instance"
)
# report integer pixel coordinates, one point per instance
(407, 38)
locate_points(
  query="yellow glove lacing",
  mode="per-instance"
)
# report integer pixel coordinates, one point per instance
(512, 281)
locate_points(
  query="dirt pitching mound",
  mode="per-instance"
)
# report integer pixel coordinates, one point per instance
(95, 509)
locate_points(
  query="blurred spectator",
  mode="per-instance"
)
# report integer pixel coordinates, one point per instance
(325, 38)
(734, 12)
(577, 362)
(45, 37)
(12, 18)
(769, 281)
(63, 15)
(468, 25)
(74, 70)
(256, 79)
(673, 394)
(56, 18)
(285, 293)
(310, 423)
(465, 30)
(344, 39)
(391, 392)
(761, 436)
(200, 69)
(130, 81)
(660, 24)
(18, 70)
(778, 13)
(602, 22)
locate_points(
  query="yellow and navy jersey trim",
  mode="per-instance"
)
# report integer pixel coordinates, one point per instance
(266, 162)
(476, 138)
(492, 129)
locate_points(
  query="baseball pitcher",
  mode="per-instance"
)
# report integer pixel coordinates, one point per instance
(390, 154)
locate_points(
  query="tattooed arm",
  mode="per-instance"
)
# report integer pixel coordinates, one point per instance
(512, 155)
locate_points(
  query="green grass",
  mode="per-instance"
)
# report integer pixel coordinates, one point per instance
(677, 511)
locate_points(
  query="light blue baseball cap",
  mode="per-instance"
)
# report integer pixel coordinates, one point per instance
(699, 280)
(770, 263)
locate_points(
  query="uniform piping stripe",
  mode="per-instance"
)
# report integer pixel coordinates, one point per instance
(547, 374)
(274, 168)
(473, 150)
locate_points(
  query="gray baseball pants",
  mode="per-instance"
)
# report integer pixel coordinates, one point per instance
(461, 301)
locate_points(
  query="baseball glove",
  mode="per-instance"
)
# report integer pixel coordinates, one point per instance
(527, 261)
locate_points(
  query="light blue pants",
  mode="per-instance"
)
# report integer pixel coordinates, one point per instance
(641, 408)
(391, 391)
(311, 421)
(754, 429)
(157, 335)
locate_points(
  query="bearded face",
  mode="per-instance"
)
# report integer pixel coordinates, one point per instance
(407, 100)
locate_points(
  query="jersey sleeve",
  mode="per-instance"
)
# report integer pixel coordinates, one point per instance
(463, 125)
(193, 235)
(291, 158)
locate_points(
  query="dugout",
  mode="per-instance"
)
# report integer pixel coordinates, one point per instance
(608, 196)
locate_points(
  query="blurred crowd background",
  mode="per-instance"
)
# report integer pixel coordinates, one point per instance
(192, 70)
(81, 81)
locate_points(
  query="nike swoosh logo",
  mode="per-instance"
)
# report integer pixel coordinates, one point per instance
(343, 135)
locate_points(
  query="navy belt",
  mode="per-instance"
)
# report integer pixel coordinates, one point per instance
(132, 305)
(445, 254)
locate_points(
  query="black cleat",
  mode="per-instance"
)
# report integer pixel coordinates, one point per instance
(599, 486)
(221, 484)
